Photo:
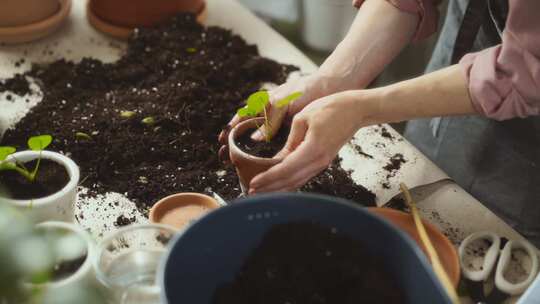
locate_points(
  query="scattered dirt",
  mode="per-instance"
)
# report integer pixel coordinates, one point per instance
(262, 148)
(124, 221)
(386, 134)
(398, 203)
(308, 263)
(65, 269)
(51, 178)
(359, 150)
(17, 85)
(151, 119)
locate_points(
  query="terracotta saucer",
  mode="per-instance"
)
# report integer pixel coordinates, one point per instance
(122, 32)
(179, 210)
(36, 30)
(445, 249)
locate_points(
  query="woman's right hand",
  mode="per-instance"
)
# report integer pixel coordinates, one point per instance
(312, 88)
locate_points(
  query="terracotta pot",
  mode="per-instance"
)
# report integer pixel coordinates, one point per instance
(445, 249)
(119, 17)
(247, 165)
(179, 210)
(27, 20)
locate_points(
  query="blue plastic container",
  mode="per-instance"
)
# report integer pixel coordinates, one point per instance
(212, 251)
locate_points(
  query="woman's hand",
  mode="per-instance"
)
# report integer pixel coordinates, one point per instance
(312, 87)
(317, 134)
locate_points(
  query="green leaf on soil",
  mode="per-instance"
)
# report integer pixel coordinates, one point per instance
(82, 136)
(38, 143)
(148, 121)
(191, 50)
(127, 114)
(289, 99)
(6, 151)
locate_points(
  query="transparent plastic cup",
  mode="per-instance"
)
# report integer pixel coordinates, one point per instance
(128, 260)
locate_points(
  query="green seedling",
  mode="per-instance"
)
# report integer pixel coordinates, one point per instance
(257, 104)
(148, 121)
(127, 114)
(82, 136)
(191, 50)
(35, 143)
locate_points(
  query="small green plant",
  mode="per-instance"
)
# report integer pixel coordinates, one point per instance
(35, 143)
(257, 104)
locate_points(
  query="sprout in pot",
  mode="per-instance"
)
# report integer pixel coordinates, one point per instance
(251, 157)
(43, 180)
(22, 179)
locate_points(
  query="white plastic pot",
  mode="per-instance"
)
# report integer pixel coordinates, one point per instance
(326, 22)
(58, 206)
(85, 275)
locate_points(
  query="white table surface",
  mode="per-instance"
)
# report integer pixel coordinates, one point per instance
(457, 211)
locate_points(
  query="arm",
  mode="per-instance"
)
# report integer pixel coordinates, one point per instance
(504, 80)
(322, 128)
(378, 33)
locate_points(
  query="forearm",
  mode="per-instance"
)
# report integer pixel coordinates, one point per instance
(379, 32)
(441, 93)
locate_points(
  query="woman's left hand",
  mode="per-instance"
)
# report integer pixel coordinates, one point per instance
(317, 134)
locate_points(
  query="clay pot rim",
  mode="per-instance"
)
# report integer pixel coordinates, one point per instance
(233, 148)
(431, 230)
(164, 201)
(39, 26)
(123, 32)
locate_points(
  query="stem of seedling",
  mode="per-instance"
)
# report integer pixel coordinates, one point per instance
(267, 130)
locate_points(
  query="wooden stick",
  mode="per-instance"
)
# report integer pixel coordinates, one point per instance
(432, 253)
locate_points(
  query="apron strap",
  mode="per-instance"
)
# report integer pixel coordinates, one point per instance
(472, 20)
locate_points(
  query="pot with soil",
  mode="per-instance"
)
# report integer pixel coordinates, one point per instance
(118, 18)
(73, 252)
(53, 192)
(253, 157)
(182, 209)
(296, 248)
(27, 20)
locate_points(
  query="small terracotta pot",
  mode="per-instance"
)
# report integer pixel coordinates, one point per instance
(118, 18)
(179, 210)
(247, 165)
(27, 20)
(446, 251)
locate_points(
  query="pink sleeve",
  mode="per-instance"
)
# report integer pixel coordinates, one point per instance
(425, 9)
(504, 81)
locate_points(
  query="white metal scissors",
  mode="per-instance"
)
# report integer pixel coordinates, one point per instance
(515, 270)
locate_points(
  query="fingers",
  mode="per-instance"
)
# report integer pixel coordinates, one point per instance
(296, 169)
(296, 136)
(222, 138)
(223, 154)
(275, 117)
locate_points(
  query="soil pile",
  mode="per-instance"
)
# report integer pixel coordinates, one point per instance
(146, 126)
(308, 263)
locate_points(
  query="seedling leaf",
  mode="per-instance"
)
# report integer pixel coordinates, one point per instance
(258, 101)
(82, 136)
(289, 99)
(38, 143)
(127, 114)
(243, 112)
(6, 151)
(148, 121)
(191, 50)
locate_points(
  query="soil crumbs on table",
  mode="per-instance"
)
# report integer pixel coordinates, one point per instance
(305, 262)
(51, 178)
(146, 126)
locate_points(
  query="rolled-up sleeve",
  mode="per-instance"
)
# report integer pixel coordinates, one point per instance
(425, 9)
(504, 81)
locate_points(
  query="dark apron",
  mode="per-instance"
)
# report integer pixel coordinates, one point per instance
(497, 162)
